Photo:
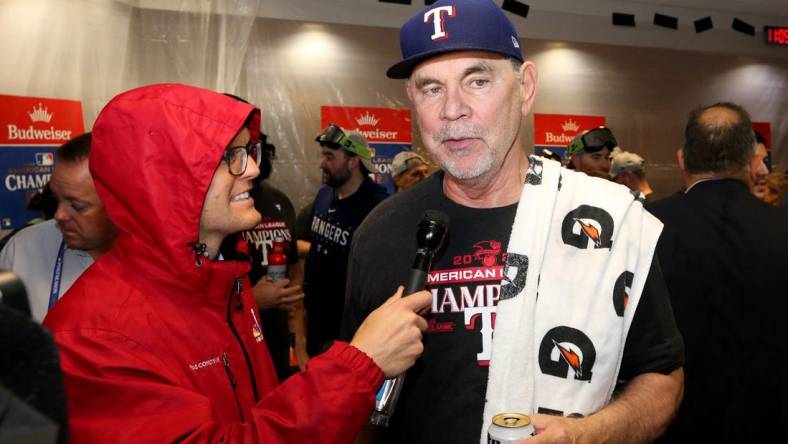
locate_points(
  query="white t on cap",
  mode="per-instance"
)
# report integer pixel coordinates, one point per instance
(403, 161)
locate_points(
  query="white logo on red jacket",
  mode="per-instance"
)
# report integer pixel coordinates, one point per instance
(257, 330)
(207, 363)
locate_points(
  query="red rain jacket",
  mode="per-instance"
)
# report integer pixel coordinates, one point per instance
(158, 348)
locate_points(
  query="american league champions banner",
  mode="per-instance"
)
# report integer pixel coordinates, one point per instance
(31, 129)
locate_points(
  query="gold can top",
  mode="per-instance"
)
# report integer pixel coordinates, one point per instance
(511, 420)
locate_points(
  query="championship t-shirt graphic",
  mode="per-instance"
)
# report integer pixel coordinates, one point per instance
(470, 288)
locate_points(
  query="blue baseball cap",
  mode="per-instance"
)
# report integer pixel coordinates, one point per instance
(455, 25)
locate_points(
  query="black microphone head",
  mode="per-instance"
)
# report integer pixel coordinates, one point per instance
(432, 231)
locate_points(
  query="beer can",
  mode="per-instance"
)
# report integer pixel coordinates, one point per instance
(507, 428)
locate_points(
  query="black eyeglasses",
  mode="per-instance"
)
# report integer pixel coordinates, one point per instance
(237, 157)
(592, 141)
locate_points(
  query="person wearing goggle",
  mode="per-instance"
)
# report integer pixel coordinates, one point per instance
(338, 209)
(346, 159)
(590, 151)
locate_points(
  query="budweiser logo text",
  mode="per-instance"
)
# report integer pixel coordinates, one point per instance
(30, 133)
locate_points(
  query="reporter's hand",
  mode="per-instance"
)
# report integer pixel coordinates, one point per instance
(391, 335)
(276, 294)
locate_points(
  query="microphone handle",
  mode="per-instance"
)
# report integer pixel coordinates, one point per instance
(388, 394)
(415, 282)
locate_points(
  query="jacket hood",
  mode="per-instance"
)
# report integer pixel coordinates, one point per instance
(153, 155)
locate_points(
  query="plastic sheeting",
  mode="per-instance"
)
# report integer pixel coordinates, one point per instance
(91, 50)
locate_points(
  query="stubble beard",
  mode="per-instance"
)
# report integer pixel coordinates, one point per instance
(452, 161)
(335, 181)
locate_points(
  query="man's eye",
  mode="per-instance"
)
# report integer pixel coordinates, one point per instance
(479, 83)
(432, 90)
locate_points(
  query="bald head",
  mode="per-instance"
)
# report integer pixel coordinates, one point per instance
(718, 139)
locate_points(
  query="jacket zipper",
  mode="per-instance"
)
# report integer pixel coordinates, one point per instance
(233, 384)
(236, 294)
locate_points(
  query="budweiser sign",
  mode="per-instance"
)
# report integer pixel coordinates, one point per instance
(560, 129)
(39, 121)
(31, 129)
(378, 125)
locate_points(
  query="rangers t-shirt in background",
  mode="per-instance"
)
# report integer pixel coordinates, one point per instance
(278, 221)
(332, 225)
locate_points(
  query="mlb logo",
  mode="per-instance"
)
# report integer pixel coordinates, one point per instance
(45, 159)
(6, 222)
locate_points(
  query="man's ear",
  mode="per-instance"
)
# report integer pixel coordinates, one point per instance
(528, 77)
(354, 162)
(680, 159)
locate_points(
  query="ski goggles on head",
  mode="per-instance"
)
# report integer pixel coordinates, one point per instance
(592, 141)
(334, 137)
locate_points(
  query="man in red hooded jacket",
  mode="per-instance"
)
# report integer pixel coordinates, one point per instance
(160, 340)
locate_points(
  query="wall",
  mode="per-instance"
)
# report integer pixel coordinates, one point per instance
(290, 68)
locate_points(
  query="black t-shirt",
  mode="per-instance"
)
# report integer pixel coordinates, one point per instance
(443, 397)
(333, 223)
(278, 221)
(303, 220)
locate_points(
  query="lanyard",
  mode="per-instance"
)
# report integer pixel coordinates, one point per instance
(56, 274)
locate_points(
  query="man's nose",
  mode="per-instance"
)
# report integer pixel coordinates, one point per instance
(252, 169)
(61, 213)
(455, 105)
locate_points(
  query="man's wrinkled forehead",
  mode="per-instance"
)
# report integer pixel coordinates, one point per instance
(463, 64)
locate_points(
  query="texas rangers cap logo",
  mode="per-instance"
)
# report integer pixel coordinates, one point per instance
(436, 16)
(455, 25)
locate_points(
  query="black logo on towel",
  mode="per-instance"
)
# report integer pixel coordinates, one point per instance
(564, 349)
(640, 197)
(621, 291)
(587, 225)
(511, 287)
(534, 174)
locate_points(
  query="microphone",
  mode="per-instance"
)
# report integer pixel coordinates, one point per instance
(431, 235)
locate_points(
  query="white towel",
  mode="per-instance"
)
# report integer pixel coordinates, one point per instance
(578, 257)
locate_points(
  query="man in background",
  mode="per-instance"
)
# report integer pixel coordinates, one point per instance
(338, 209)
(759, 170)
(49, 256)
(589, 152)
(408, 169)
(629, 170)
(722, 252)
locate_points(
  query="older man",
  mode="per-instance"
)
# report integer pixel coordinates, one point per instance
(51, 255)
(518, 229)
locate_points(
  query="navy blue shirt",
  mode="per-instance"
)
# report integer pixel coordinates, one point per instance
(332, 225)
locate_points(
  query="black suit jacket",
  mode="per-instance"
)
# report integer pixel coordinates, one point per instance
(723, 254)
